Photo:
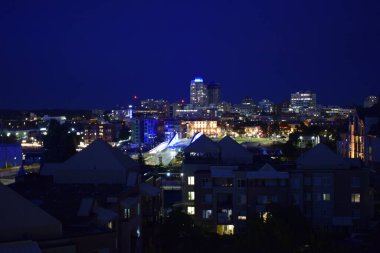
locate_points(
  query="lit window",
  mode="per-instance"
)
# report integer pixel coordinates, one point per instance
(326, 196)
(355, 197)
(206, 214)
(190, 195)
(265, 216)
(190, 180)
(242, 217)
(225, 229)
(110, 225)
(190, 210)
(127, 213)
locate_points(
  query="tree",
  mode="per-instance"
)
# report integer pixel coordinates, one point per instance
(285, 230)
(179, 233)
(124, 133)
(59, 144)
(8, 139)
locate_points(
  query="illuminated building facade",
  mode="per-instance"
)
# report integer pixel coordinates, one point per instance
(198, 93)
(206, 127)
(266, 106)
(247, 107)
(303, 102)
(159, 105)
(362, 138)
(337, 112)
(144, 131)
(222, 193)
(96, 131)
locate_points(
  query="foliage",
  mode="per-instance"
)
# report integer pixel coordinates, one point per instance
(11, 139)
(286, 230)
(124, 133)
(59, 144)
(178, 233)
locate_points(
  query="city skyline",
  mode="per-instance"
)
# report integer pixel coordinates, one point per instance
(99, 54)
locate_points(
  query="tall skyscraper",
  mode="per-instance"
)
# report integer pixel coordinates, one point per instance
(370, 101)
(303, 102)
(198, 93)
(213, 93)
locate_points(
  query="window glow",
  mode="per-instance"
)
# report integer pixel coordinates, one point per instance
(127, 213)
(206, 214)
(326, 196)
(225, 229)
(190, 180)
(190, 195)
(190, 210)
(355, 197)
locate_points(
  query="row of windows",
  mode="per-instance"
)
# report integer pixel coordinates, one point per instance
(355, 197)
(322, 181)
(241, 183)
(264, 199)
(308, 181)
(227, 213)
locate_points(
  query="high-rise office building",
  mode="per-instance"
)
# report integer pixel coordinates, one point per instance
(303, 102)
(370, 101)
(144, 130)
(213, 93)
(266, 106)
(198, 93)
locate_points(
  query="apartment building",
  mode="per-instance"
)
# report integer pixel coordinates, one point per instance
(223, 187)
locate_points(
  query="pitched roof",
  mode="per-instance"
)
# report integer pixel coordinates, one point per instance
(231, 150)
(101, 156)
(267, 172)
(19, 218)
(203, 145)
(321, 157)
(98, 163)
(230, 145)
(223, 171)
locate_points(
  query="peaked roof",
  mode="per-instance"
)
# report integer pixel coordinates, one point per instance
(203, 145)
(100, 155)
(99, 163)
(267, 168)
(20, 217)
(321, 157)
(227, 144)
(267, 172)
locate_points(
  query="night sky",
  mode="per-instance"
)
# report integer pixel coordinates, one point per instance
(93, 54)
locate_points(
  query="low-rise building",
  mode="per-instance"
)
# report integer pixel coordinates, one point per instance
(223, 187)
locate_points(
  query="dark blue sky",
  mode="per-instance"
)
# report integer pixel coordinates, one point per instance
(88, 54)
